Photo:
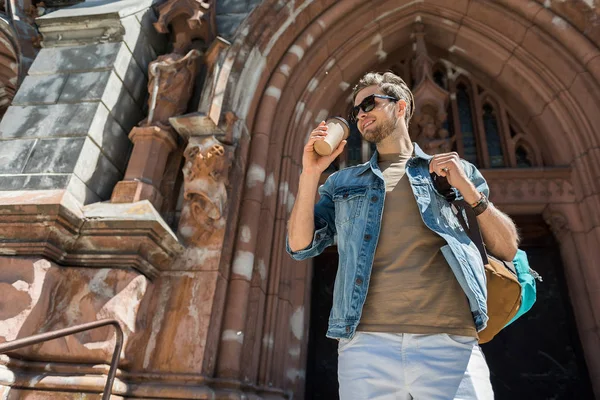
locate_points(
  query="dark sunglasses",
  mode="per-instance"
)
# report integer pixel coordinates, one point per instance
(367, 105)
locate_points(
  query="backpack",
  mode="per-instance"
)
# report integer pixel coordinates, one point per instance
(511, 287)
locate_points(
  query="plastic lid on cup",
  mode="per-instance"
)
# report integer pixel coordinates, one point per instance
(341, 119)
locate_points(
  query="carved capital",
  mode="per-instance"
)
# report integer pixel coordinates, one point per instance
(188, 20)
(205, 172)
(557, 222)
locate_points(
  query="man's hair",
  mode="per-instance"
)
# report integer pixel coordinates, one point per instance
(390, 84)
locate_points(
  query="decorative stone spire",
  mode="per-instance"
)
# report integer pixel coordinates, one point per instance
(431, 101)
(422, 62)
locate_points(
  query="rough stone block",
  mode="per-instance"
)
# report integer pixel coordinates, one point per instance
(86, 86)
(135, 80)
(121, 105)
(33, 182)
(252, 4)
(107, 87)
(96, 171)
(71, 296)
(110, 136)
(13, 155)
(158, 41)
(54, 155)
(93, 57)
(47, 121)
(232, 7)
(228, 23)
(138, 42)
(80, 191)
(43, 89)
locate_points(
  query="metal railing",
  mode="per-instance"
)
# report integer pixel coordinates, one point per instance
(44, 337)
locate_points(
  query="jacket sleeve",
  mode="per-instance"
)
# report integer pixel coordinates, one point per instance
(476, 177)
(324, 224)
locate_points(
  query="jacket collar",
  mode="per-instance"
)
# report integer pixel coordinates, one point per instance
(374, 166)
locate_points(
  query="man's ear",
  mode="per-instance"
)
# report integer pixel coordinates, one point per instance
(401, 108)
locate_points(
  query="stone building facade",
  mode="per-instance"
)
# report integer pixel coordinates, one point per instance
(149, 159)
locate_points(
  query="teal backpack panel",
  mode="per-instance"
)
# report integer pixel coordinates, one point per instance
(527, 278)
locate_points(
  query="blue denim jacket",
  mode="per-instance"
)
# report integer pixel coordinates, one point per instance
(351, 207)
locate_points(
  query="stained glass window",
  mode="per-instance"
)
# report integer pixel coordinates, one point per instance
(465, 118)
(494, 143)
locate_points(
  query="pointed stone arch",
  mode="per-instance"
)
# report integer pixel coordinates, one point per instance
(286, 78)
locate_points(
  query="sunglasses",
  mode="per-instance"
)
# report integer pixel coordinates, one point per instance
(367, 105)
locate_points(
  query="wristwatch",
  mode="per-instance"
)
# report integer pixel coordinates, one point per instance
(481, 205)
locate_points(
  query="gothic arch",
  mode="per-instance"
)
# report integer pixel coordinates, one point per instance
(285, 78)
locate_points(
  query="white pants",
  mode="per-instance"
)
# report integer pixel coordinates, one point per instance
(387, 366)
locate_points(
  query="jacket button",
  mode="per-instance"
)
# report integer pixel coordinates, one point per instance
(345, 195)
(367, 237)
(374, 199)
(348, 328)
(318, 236)
(359, 281)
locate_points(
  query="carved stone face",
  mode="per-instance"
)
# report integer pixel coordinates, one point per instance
(429, 130)
(205, 173)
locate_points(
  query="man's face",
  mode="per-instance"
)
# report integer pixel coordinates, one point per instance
(378, 123)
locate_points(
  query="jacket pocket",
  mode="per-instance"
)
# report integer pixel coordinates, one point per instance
(348, 201)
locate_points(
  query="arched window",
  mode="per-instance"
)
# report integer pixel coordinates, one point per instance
(492, 137)
(465, 120)
(439, 77)
(524, 155)
(480, 125)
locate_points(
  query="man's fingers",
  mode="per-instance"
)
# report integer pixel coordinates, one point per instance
(340, 148)
(310, 145)
(337, 151)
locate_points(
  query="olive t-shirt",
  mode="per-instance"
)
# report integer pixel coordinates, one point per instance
(412, 288)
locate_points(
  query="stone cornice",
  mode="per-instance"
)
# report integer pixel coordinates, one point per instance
(525, 190)
(78, 31)
(530, 185)
(88, 22)
(52, 224)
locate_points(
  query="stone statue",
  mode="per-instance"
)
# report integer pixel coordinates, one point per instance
(205, 178)
(431, 139)
(170, 86)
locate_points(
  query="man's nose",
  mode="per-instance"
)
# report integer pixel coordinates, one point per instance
(361, 113)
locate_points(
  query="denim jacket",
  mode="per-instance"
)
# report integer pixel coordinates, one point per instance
(351, 207)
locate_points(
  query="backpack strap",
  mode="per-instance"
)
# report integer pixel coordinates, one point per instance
(460, 208)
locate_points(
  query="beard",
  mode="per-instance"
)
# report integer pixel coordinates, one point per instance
(381, 131)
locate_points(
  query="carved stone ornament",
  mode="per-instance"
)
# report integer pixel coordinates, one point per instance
(431, 102)
(431, 138)
(188, 20)
(557, 221)
(205, 186)
(170, 85)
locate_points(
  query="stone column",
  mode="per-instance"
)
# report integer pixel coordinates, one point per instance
(67, 126)
(580, 256)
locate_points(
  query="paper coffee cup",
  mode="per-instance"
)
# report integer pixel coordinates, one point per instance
(337, 130)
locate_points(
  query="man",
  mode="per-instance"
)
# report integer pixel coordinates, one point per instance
(414, 335)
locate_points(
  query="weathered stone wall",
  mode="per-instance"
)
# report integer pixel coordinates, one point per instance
(39, 296)
(68, 124)
(231, 13)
